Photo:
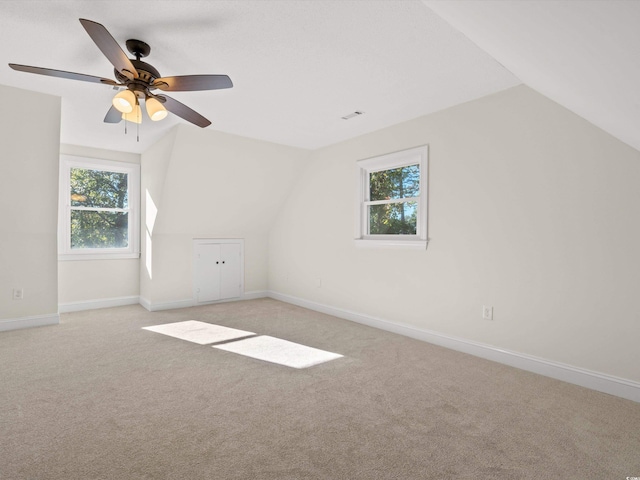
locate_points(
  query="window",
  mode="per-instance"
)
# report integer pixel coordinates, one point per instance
(98, 215)
(392, 199)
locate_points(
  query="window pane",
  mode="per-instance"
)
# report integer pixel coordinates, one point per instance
(99, 188)
(400, 182)
(393, 219)
(99, 229)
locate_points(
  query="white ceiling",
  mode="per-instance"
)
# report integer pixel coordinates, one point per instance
(298, 66)
(585, 55)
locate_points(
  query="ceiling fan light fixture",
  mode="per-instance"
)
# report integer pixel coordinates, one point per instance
(136, 78)
(155, 109)
(135, 116)
(125, 101)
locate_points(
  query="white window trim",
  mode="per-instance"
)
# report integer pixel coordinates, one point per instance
(413, 156)
(65, 252)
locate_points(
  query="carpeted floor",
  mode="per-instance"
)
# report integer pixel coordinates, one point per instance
(97, 397)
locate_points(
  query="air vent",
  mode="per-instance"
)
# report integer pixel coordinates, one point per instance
(351, 115)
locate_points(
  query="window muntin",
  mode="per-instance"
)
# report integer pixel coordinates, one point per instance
(98, 209)
(392, 201)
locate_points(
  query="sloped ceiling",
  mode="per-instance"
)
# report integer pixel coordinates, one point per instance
(585, 55)
(297, 66)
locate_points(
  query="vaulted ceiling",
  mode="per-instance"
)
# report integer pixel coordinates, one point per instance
(299, 66)
(583, 54)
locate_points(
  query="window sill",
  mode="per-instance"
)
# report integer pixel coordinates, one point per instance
(413, 244)
(64, 257)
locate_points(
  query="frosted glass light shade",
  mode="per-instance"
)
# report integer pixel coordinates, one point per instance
(124, 101)
(155, 109)
(135, 116)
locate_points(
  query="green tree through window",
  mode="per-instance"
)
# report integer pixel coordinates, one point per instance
(99, 209)
(393, 204)
(392, 199)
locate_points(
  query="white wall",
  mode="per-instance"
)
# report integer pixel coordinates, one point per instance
(30, 139)
(153, 173)
(207, 184)
(97, 282)
(532, 210)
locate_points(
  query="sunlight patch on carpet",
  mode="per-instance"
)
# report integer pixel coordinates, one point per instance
(201, 333)
(276, 350)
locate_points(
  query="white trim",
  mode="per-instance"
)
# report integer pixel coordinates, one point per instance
(418, 244)
(101, 209)
(96, 256)
(619, 387)
(394, 200)
(215, 241)
(146, 304)
(154, 307)
(65, 252)
(98, 303)
(255, 294)
(29, 322)
(400, 158)
(412, 156)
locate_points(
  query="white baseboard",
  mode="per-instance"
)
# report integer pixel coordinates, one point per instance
(145, 303)
(154, 307)
(95, 304)
(255, 294)
(578, 376)
(29, 322)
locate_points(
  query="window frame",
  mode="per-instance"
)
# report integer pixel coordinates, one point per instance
(65, 252)
(413, 156)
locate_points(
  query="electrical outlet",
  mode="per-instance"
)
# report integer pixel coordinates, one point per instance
(18, 293)
(487, 312)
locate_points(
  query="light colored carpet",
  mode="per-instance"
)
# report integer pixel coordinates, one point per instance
(201, 333)
(276, 350)
(97, 398)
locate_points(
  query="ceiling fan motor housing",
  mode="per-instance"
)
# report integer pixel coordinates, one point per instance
(138, 48)
(147, 74)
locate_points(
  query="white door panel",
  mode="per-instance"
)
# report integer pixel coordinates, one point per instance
(218, 269)
(230, 270)
(207, 272)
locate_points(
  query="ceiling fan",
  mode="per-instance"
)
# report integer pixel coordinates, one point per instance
(137, 80)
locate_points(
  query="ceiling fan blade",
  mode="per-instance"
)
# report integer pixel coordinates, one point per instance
(113, 116)
(183, 111)
(109, 47)
(188, 83)
(62, 74)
